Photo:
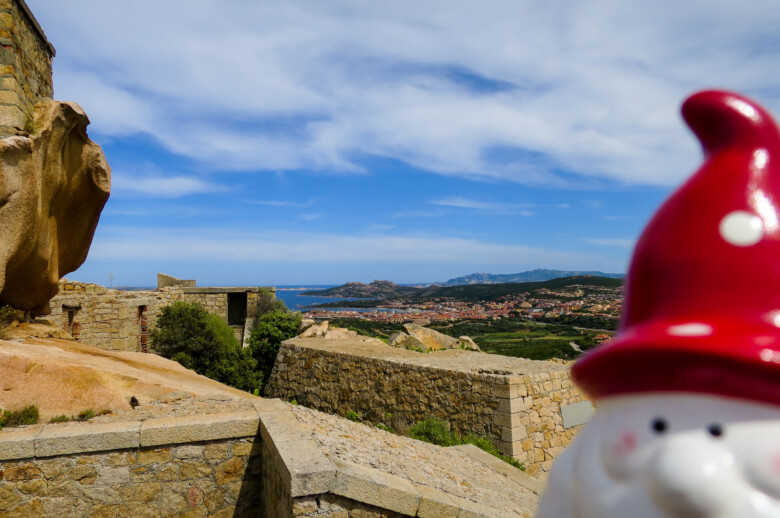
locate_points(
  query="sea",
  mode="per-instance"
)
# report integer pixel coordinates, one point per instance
(292, 298)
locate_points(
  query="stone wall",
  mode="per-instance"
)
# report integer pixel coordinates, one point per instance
(201, 465)
(215, 300)
(25, 65)
(515, 402)
(263, 462)
(107, 318)
(123, 320)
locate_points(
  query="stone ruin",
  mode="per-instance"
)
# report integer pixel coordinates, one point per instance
(54, 181)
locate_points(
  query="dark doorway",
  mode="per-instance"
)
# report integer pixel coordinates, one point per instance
(236, 309)
(143, 336)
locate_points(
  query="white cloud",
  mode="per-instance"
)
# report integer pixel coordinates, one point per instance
(227, 245)
(498, 89)
(160, 187)
(498, 208)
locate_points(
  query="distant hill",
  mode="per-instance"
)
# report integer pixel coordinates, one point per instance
(529, 276)
(358, 290)
(465, 293)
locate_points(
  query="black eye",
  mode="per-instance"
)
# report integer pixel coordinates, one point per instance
(658, 425)
(715, 430)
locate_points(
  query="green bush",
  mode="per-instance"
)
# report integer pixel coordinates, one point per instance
(203, 342)
(266, 302)
(436, 431)
(86, 415)
(352, 416)
(27, 415)
(62, 418)
(268, 333)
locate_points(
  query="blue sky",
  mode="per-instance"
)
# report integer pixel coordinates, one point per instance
(309, 142)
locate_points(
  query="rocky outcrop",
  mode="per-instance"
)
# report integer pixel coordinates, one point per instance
(467, 343)
(313, 330)
(53, 186)
(405, 341)
(419, 338)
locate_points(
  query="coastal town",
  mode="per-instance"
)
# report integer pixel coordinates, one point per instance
(602, 302)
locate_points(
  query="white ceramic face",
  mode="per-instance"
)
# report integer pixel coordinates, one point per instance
(670, 455)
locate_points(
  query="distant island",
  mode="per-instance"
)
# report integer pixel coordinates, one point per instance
(537, 275)
(358, 290)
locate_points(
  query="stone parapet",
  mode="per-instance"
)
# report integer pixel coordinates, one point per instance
(265, 462)
(515, 402)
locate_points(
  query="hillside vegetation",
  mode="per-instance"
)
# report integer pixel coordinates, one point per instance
(466, 293)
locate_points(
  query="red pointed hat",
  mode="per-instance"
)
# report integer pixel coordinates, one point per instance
(702, 295)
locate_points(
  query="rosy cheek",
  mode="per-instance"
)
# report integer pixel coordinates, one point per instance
(625, 444)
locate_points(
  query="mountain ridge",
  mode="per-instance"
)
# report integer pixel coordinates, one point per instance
(464, 292)
(536, 275)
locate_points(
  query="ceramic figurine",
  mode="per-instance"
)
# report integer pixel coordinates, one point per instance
(688, 393)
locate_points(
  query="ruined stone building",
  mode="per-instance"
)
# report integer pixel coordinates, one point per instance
(122, 320)
(25, 66)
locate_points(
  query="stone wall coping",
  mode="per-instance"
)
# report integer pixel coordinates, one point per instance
(37, 27)
(489, 367)
(311, 472)
(76, 438)
(229, 289)
(519, 476)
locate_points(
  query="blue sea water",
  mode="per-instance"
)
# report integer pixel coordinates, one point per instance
(292, 298)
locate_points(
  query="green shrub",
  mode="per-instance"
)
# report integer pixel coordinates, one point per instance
(85, 415)
(268, 333)
(62, 418)
(27, 415)
(434, 431)
(385, 428)
(203, 342)
(266, 303)
(352, 416)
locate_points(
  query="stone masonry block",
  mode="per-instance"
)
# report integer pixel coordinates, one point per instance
(434, 504)
(73, 438)
(514, 434)
(376, 488)
(209, 427)
(17, 444)
(310, 472)
(280, 427)
(509, 420)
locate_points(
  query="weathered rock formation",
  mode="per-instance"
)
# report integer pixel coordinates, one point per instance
(53, 186)
(311, 329)
(416, 337)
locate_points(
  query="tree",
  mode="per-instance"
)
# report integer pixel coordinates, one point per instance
(268, 333)
(266, 302)
(203, 342)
